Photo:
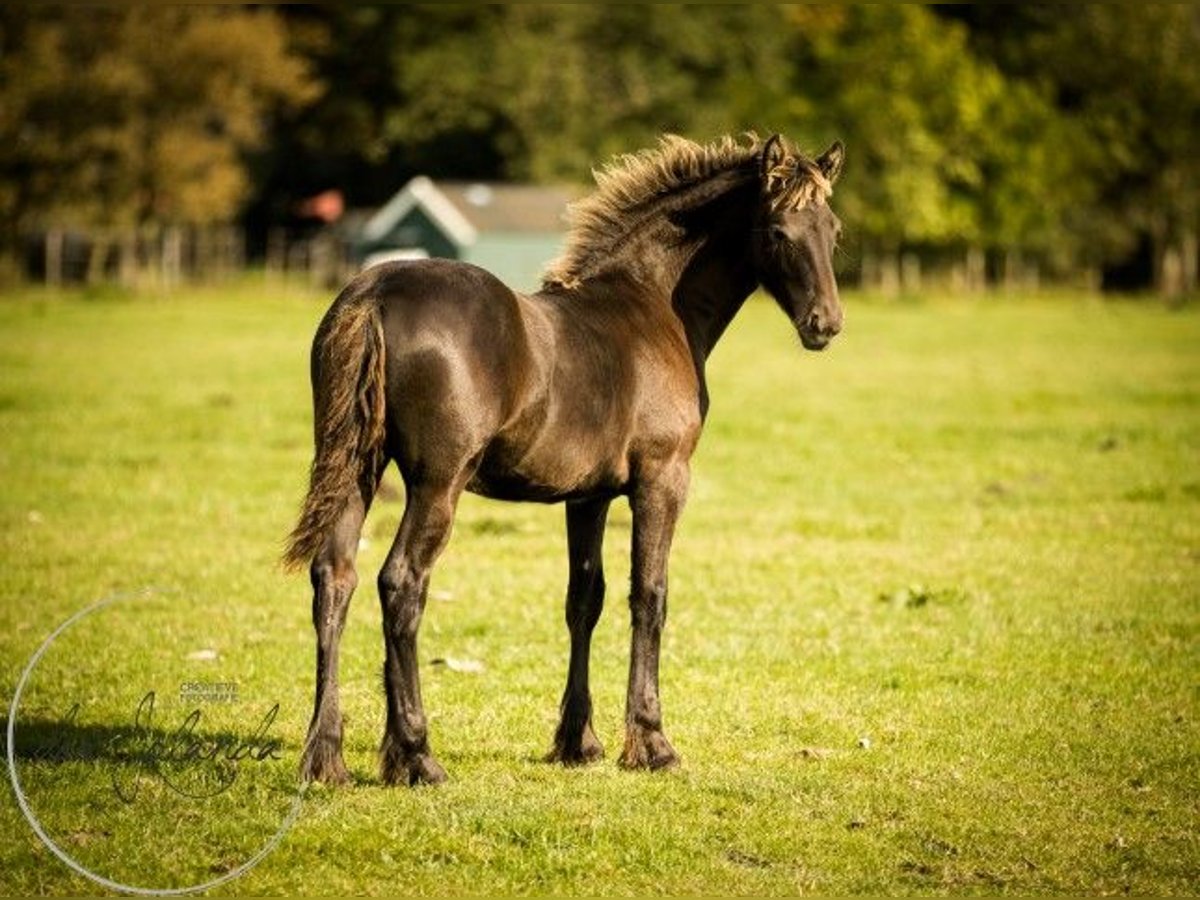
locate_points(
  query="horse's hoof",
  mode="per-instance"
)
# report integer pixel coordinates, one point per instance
(420, 768)
(322, 762)
(571, 753)
(646, 749)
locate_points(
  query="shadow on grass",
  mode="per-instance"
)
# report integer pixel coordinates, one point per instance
(189, 760)
(65, 738)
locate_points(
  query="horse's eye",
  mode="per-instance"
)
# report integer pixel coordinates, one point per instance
(778, 234)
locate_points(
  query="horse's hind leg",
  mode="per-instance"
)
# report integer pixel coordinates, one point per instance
(405, 757)
(575, 742)
(333, 579)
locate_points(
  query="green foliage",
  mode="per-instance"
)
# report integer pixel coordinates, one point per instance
(911, 101)
(933, 625)
(1133, 73)
(964, 127)
(568, 86)
(946, 149)
(1010, 128)
(1126, 103)
(121, 116)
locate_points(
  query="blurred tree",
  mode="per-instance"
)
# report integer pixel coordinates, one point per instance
(446, 67)
(1007, 128)
(942, 150)
(568, 86)
(1126, 92)
(1130, 74)
(123, 116)
(339, 139)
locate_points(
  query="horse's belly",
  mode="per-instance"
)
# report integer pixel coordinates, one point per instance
(549, 471)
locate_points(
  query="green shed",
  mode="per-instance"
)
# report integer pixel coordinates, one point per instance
(512, 230)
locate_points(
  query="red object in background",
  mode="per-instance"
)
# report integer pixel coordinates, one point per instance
(326, 206)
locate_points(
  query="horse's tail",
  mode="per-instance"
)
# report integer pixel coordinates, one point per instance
(348, 414)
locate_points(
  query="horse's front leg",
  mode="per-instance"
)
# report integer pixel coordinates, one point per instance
(575, 742)
(656, 505)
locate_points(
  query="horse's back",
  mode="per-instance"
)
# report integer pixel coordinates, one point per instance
(436, 293)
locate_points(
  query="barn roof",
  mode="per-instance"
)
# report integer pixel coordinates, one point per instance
(464, 209)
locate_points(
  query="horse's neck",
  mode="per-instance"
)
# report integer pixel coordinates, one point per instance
(708, 296)
(716, 272)
(715, 276)
(696, 258)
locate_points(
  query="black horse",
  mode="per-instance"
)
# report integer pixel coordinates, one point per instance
(590, 389)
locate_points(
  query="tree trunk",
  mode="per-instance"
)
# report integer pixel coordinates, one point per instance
(203, 253)
(910, 273)
(98, 257)
(55, 240)
(1164, 258)
(1170, 273)
(1012, 270)
(889, 272)
(867, 273)
(276, 255)
(1189, 250)
(976, 269)
(127, 261)
(172, 256)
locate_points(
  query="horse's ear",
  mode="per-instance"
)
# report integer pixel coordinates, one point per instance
(773, 163)
(830, 162)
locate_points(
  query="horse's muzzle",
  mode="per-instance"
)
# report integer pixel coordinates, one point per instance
(816, 331)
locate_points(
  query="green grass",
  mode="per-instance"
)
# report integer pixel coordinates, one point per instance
(934, 619)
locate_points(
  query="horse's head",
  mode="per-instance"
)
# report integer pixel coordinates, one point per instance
(795, 236)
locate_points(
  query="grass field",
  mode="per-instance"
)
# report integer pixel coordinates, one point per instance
(935, 617)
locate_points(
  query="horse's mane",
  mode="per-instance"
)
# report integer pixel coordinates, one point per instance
(631, 181)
